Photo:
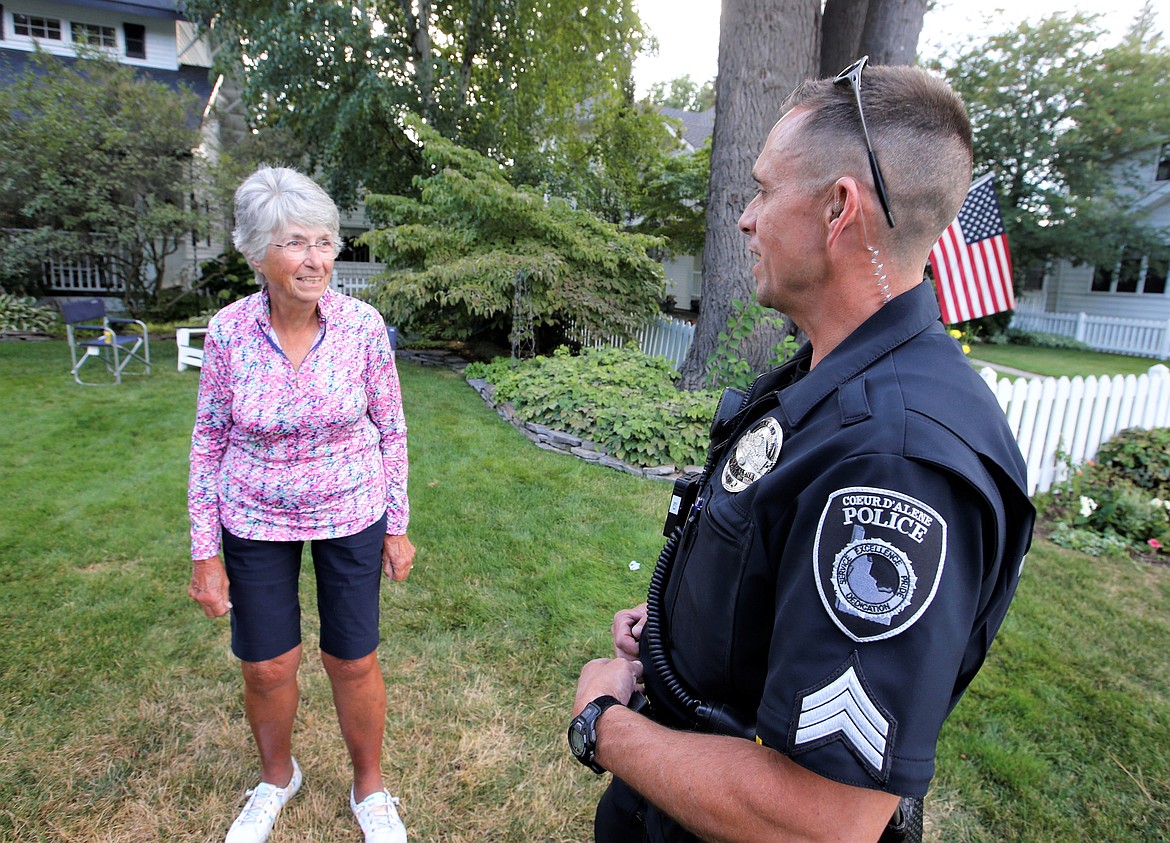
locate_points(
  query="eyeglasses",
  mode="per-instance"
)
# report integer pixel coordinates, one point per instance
(300, 248)
(852, 75)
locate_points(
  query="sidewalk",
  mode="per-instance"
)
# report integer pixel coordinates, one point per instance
(1007, 370)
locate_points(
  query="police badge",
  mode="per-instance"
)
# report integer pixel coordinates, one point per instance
(755, 454)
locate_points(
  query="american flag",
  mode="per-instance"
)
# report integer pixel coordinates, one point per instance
(971, 262)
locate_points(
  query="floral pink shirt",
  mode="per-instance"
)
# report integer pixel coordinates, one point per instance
(279, 454)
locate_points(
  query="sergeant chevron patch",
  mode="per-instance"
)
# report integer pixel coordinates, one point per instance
(842, 709)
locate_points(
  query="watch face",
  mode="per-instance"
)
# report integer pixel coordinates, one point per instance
(577, 738)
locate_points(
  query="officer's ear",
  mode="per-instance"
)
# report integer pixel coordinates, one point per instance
(843, 210)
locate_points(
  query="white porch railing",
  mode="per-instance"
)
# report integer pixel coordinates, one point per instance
(352, 278)
(80, 275)
(1051, 416)
(1135, 337)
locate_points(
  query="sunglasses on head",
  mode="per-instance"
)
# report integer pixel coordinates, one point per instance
(852, 75)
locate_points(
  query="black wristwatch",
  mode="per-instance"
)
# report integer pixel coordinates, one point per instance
(583, 732)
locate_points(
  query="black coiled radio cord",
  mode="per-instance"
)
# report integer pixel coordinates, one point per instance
(713, 718)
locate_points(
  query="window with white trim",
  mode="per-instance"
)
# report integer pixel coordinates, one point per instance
(1163, 173)
(48, 29)
(1134, 273)
(93, 35)
(135, 35)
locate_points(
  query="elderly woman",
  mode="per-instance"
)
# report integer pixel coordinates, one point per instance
(298, 436)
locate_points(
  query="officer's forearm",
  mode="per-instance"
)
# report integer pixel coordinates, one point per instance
(729, 789)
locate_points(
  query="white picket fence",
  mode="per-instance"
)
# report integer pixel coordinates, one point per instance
(664, 337)
(1135, 337)
(1051, 417)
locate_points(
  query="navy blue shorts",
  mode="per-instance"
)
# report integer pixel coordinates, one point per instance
(266, 606)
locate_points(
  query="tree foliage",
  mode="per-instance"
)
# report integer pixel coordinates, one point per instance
(535, 84)
(683, 93)
(474, 255)
(672, 201)
(1060, 118)
(95, 160)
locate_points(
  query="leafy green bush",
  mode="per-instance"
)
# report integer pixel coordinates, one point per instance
(227, 278)
(469, 255)
(1037, 339)
(23, 314)
(621, 399)
(1139, 457)
(1127, 511)
(1123, 495)
(175, 305)
(1089, 541)
(725, 367)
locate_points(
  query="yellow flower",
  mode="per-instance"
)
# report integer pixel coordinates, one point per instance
(956, 333)
(966, 348)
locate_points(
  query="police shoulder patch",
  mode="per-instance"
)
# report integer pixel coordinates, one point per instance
(878, 558)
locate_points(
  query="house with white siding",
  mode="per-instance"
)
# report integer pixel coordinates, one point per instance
(151, 36)
(684, 273)
(1134, 288)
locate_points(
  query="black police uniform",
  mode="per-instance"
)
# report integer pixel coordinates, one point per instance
(854, 548)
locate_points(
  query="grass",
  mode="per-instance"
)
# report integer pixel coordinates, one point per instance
(120, 704)
(1058, 362)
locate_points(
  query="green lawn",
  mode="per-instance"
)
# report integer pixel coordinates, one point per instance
(1054, 362)
(120, 705)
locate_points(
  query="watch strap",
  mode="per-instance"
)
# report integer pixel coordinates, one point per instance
(588, 719)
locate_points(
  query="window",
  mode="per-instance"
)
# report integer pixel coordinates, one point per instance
(135, 40)
(1134, 273)
(1157, 269)
(1163, 163)
(93, 35)
(31, 27)
(1102, 279)
(1129, 273)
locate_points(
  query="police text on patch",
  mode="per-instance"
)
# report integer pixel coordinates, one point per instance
(881, 511)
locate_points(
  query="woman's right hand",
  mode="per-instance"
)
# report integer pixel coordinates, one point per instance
(627, 629)
(209, 586)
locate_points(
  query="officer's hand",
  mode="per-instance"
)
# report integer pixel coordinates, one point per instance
(616, 677)
(627, 629)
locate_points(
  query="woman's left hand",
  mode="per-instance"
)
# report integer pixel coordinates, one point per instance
(397, 557)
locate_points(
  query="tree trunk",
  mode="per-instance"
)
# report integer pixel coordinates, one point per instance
(765, 48)
(418, 30)
(841, 30)
(891, 31)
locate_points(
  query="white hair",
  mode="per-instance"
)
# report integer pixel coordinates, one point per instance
(272, 199)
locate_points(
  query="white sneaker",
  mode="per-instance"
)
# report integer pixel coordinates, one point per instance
(379, 818)
(264, 804)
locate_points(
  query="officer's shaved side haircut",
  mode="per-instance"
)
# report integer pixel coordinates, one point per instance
(921, 136)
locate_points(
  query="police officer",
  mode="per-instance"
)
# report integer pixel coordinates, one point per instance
(840, 569)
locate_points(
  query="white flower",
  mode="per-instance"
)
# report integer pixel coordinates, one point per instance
(1087, 506)
(634, 566)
